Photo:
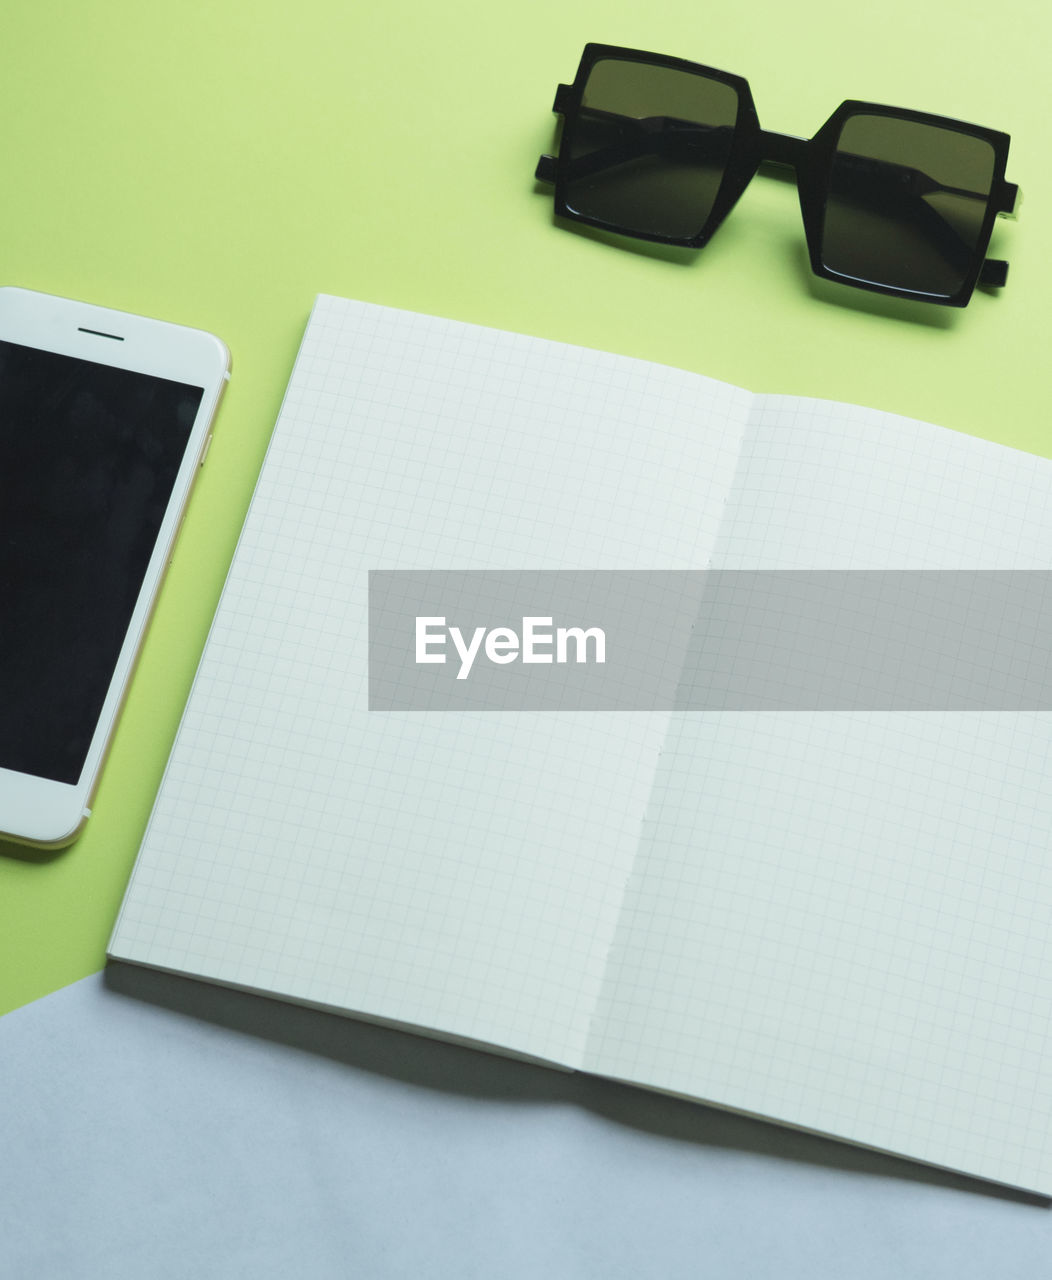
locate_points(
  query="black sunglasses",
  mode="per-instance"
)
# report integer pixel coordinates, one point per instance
(896, 201)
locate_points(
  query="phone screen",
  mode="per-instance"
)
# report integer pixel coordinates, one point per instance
(89, 455)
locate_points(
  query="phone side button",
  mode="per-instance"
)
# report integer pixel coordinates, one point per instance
(204, 451)
(175, 539)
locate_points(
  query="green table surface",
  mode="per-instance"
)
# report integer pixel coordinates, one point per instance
(218, 164)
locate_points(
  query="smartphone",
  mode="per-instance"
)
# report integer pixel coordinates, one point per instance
(105, 419)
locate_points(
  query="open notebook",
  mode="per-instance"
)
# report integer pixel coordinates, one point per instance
(838, 920)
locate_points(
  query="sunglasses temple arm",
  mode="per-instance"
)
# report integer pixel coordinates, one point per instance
(666, 136)
(994, 271)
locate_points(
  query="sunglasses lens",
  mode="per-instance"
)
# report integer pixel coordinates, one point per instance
(907, 202)
(648, 149)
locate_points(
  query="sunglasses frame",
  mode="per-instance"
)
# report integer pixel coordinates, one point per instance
(812, 160)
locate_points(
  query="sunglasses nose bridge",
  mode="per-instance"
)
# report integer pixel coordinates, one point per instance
(781, 148)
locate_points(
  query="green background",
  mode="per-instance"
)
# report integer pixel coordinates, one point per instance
(218, 164)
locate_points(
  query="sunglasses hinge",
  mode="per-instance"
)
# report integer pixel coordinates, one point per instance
(781, 148)
(1011, 201)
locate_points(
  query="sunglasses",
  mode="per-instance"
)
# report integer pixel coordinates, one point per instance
(898, 202)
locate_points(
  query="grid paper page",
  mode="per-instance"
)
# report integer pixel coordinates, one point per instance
(462, 873)
(844, 920)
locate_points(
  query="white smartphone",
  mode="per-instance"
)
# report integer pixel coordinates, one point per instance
(104, 421)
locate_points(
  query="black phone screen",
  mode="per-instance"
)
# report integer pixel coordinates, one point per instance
(88, 459)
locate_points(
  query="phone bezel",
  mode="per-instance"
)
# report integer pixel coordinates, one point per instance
(38, 811)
